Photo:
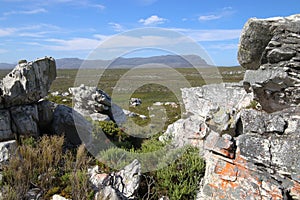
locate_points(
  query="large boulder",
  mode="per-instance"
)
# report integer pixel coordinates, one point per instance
(27, 83)
(71, 124)
(90, 100)
(268, 40)
(269, 49)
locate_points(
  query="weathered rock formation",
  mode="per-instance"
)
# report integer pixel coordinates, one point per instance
(27, 83)
(95, 103)
(248, 132)
(118, 185)
(269, 48)
(216, 106)
(261, 160)
(24, 113)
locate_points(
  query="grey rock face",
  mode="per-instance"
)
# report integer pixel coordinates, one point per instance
(27, 82)
(110, 193)
(119, 185)
(210, 107)
(70, 123)
(185, 132)
(25, 120)
(255, 36)
(265, 164)
(269, 48)
(128, 179)
(209, 99)
(260, 122)
(273, 39)
(22, 112)
(135, 102)
(45, 112)
(5, 125)
(90, 100)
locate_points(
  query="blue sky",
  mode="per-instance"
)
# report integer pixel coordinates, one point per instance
(73, 28)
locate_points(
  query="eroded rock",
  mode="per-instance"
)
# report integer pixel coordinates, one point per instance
(119, 185)
(210, 107)
(269, 48)
(265, 165)
(5, 125)
(27, 82)
(90, 100)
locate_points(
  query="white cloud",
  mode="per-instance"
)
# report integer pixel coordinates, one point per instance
(209, 17)
(141, 41)
(153, 20)
(223, 46)
(72, 44)
(146, 2)
(33, 34)
(211, 35)
(99, 6)
(226, 11)
(125, 41)
(6, 31)
(117, 27)
(26, 12)
(38, 30)
(3, 51)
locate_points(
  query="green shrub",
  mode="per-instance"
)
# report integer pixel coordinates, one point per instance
(111, 129)
(59, 99)
(180, 180)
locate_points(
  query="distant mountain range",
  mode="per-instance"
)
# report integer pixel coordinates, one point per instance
(174, 61)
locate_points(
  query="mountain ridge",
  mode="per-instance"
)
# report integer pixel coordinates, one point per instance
(175, 61)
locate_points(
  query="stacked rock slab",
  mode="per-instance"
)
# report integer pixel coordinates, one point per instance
(261, 161)
(20, 91)
(270, 50)
(24, 112)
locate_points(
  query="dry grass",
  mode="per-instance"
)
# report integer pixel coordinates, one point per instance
(43, 164)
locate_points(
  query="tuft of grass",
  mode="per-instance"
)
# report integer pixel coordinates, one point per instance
(46, 165)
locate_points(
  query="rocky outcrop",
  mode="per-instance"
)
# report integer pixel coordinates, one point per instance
(119, 185)
(260, 158)
(259, 167)
(27, 83)
(95, 103)
(269, 49)
(24, 113)
(216, 106)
